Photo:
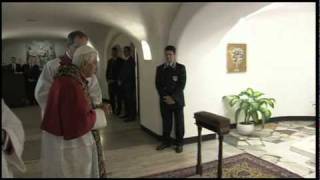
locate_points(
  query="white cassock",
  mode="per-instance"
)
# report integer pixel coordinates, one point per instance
(76, 158)
(83, 149)
(13, 127)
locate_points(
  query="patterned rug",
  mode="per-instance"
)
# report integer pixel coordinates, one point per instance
(239, 166)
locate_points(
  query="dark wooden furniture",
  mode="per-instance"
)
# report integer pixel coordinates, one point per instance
(13, 89)
(219, 125)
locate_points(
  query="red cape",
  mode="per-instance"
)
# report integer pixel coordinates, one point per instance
(68, 112)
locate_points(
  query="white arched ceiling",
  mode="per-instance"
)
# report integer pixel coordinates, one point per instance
(222, 15)
(57, 19)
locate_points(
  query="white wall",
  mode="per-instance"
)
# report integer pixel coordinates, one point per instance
(121, 40)
(157, 27)
(17, 48)
(280, 57)
(97, 34)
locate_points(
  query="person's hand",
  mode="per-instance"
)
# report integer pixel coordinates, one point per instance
(106, 108)
(169, 100)
(119, 83)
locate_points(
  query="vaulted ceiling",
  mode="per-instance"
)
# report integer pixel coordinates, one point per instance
(57, 19)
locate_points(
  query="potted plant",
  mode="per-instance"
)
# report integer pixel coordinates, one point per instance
(256, 109)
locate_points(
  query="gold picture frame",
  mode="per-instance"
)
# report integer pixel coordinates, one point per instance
(236, 58)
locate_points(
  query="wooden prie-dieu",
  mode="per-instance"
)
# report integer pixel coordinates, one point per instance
(219, 125)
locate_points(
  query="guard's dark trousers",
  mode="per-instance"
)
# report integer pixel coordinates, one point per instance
(168, 112)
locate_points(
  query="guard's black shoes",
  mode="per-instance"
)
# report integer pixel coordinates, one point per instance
(163, 146)
(179, 149)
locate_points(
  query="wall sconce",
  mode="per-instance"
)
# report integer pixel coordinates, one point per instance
(146, 50)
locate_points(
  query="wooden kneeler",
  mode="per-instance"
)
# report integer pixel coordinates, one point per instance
(219, 125)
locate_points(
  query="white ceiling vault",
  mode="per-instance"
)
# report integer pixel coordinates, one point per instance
(57, 19)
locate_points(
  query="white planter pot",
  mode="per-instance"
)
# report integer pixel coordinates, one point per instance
(245, 129)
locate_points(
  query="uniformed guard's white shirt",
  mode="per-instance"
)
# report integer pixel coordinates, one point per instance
(172, 64)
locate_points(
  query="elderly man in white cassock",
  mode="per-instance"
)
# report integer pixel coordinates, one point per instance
(71, 146)
(12, 142)
(75, 40)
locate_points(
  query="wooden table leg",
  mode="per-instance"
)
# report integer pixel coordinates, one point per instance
(199, 163)
(220, 156)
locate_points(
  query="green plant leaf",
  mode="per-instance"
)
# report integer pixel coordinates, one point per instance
(268, 114)
(243, 93)
(272, 99)
(244, 104)
(257, 94)
(229, 97)
(233, 102)
(271, 104)
(265, 112)
(250, 91)
(255, 116)
(253, 105)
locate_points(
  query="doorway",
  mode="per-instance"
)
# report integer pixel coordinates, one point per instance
(120, 42)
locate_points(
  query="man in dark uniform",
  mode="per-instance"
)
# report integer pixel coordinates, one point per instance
(113, 69)
(127, 83)
(170, 83)
(14, 67)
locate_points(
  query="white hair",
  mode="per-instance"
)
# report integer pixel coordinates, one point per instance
(83, 54)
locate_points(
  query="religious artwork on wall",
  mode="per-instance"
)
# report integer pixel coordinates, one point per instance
(43, 50)
(237, 57)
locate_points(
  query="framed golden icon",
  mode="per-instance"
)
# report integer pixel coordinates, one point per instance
(237, 57)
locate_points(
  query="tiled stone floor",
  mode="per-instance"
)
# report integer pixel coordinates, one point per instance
(130, 152)
(274, 143)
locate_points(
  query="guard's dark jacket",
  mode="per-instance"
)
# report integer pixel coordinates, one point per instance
(18, 68)
(170, 81)
(113, 68)
(127, 73)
